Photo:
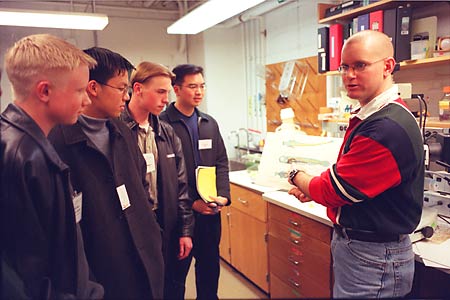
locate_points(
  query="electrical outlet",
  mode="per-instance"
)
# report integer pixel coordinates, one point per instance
(404, 90)
(439, 201)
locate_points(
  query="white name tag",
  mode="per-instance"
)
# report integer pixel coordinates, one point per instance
(204, 144)
(150, 161)
(77, 206)
(123, 196)
(171, 155)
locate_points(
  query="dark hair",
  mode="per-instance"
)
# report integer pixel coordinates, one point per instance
(109, 64)
(181, 71)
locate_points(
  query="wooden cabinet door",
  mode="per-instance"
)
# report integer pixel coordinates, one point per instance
(224, 246)
(249, 247)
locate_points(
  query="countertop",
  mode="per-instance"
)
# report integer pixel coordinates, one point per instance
(281, 198)
(243, 178)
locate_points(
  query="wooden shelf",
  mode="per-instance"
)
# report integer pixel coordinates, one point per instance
(411, 64)
(349, 15)
(425, 62)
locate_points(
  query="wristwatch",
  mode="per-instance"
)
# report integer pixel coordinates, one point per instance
(292, 174)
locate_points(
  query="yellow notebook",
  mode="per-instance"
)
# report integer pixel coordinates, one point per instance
(206, 182)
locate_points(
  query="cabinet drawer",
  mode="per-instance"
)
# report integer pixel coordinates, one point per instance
(297, 281)
(313, 262)
(249, 202)
(281, 290)
(297, 237)
(300, 223)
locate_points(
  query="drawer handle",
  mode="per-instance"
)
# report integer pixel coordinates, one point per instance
(244, 202)
(293, 282)
(293, 261)
(293, 223)
(295, 241)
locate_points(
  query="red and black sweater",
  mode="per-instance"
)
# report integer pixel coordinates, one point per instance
(377, 181)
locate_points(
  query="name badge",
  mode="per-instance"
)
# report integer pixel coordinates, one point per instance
(170, 155)
(77, 205)
(204, 144)
(150, 161)
(123, 196)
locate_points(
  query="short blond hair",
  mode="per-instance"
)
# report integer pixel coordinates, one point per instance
(146, 70)
(35, 56)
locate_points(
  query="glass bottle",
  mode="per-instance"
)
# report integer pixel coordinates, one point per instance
(444, 105)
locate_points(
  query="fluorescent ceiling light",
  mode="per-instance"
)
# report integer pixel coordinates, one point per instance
(209, 14)
(52, 19)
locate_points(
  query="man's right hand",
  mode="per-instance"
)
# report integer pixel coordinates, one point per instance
(204, 208)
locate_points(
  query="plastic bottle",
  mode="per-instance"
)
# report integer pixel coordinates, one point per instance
(287, 121)
(444, 105)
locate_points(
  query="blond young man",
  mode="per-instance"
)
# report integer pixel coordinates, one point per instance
(166, 169)
(42, 248)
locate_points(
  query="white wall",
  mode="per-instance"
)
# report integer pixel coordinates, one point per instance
(136, 37)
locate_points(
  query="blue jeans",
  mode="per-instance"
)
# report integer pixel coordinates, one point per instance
(371, 270)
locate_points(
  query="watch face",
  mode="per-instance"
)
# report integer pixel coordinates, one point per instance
(292, 174)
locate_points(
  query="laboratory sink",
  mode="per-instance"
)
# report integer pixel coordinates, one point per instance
(235, 165)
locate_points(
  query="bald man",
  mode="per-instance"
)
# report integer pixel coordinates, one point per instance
(374, 192)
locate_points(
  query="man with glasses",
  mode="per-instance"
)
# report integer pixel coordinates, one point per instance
(202, 146)
(121, 234)
(374, 192)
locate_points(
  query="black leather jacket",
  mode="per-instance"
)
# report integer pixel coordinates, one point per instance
(41, 243)
(175, 206)
(215, 156)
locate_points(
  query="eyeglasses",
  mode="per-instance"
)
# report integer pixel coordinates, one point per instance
(357, 67)
(123, 90)
(194, 87)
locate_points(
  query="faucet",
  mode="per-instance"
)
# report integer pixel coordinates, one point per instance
(248, 138)
(238, 152)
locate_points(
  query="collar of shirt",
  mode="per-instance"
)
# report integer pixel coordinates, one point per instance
(377, 103)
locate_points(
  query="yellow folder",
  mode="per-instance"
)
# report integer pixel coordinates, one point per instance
(206, 182)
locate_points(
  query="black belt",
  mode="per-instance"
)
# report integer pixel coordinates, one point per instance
(366, 236)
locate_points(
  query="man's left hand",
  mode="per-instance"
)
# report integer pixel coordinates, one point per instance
(185, 247)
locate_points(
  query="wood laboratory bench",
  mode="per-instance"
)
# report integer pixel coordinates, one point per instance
(283, 245)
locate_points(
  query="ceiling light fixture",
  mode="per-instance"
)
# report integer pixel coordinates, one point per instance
(209, 14)
(52, 19)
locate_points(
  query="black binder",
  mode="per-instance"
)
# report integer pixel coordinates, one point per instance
(403, 35)
(390, 25)
(322, 49)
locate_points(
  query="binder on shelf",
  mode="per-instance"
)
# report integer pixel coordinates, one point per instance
(355, 25)
(390, 25)
(331, 11)
(335, 45)
(376, 20)
(322, 49)
(348, 30)
(403, 34)
(363, 22)
(349, 5)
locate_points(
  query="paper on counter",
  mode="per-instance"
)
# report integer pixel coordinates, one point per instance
(433, 253)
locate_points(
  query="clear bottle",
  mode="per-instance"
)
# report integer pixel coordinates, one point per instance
(287, 121)
(444, 105)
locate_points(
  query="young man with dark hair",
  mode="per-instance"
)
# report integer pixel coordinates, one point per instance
(202, 146)
(122, 237)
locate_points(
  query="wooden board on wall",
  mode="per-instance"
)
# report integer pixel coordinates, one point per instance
(306, 107)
